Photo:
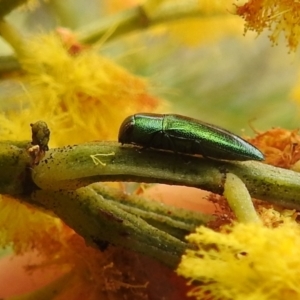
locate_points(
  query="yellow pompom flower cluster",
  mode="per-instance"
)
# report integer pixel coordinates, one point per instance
(82, 95)
(244, 261)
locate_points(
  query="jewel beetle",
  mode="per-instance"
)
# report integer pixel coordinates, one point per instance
(185, 135)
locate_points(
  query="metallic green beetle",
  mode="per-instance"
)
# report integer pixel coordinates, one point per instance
(185, 135)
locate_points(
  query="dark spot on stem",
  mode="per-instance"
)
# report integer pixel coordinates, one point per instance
(101, 244)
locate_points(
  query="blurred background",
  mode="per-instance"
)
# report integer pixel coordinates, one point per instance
(206, 68)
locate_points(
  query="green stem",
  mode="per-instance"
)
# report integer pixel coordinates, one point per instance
(6, 6)
(136, 18)
(76, 166)
(239, 199)
(154, 212)
(117, 25)
(8, 63)
(99, 221)
(12, 36)
(100, 213)
(72, 167)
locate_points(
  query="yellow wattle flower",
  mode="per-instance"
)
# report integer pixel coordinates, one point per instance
(26, 229)
(245, 261)
(81, 95)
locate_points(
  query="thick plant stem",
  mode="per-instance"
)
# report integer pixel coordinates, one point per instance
(152, 211)
(76, 166)
(72, 167)
(62, 183)
(100, 221)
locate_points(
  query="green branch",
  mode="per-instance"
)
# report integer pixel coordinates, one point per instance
(77, 166)
(138, 18)
(8, 63)
(102, 220)
(72, 167)
(64, 182)
(6, 6)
